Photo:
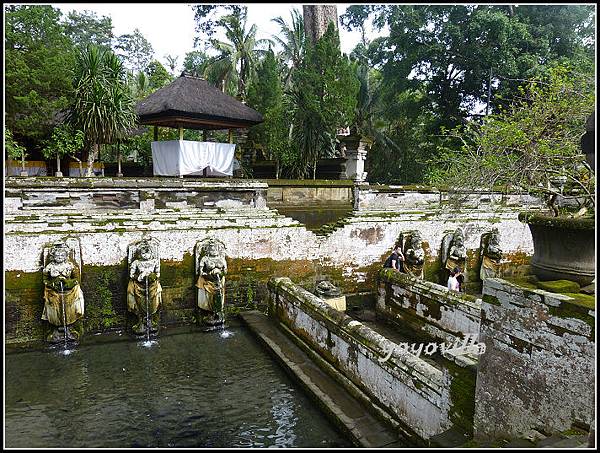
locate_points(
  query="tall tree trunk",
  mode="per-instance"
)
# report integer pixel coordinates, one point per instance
(316, 20)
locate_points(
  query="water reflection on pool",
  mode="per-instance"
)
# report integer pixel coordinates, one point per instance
(190, 389)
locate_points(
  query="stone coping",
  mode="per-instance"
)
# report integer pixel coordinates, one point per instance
(571, 223)
(53, 183)
(425, 288)
(378, 344)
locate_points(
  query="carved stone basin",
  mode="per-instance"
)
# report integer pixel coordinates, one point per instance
(564, 248)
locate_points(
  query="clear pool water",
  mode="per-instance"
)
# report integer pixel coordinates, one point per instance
(190, 389)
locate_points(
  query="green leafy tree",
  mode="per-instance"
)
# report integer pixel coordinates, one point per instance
(158, 76)
(102, 106)
(435, 67)
(135, 51)
(86, 28)
(207, 17)
(38, 57)
(533, 146)
(64, 142)
(265, 95)
(195, 63)
(13, 149)
(324, 96)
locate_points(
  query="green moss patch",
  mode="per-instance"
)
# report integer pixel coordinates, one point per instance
(571, 223)
(582, 300)
(559, 286)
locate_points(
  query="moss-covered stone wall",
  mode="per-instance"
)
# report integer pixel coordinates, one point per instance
(415, 393)
(539, 366)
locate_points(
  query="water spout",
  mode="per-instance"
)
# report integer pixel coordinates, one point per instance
(64, 314)
(147, 313)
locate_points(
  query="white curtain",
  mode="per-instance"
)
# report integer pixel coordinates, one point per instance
(185, 157)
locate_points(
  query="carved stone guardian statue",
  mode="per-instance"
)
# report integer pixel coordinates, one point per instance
(144, 293)
(454, 254)
(491, 255)
(211, 268)
(414, 255)
(331, 294)
(63, 298)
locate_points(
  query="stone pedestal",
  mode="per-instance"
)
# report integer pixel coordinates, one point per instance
(58, 174)
(23, 173)
(339, 303)
(356, 154)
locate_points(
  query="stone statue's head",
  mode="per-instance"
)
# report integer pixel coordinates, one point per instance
(495, 237)
(145, 251)
(459, 237)
(415, 240)
(214, 247)
(59, 252)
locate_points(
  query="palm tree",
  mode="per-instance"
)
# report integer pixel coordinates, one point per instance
(171, 62)
(102, 105)
(238, 58)
(292, 42)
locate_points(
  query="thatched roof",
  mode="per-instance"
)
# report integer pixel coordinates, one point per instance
(193, 103)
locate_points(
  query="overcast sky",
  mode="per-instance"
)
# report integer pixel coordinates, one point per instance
(170, 27)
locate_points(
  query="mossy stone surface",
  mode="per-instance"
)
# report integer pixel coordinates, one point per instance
(559, 286)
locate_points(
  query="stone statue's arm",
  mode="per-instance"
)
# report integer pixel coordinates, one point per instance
(133, 269)
(419, 256)
(457, 253)
(76, 274)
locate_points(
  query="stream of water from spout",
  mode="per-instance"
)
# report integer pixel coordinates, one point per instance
(64, 314)
(147, 314)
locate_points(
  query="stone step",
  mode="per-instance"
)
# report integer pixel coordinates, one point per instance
(343, 409)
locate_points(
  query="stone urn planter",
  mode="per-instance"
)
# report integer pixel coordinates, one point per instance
(564, 248)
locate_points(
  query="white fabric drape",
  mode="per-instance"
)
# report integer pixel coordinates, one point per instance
(186, 157)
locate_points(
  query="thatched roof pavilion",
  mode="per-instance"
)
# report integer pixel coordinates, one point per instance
(193, 103)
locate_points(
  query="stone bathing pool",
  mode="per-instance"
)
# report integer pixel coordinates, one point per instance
(189, 389)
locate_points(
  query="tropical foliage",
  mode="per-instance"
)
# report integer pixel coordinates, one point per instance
(325, 96)
(238, 56)
(531, 146)
(102, 106)
(13, 149)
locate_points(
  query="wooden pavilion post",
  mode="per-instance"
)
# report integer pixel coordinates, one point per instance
(155, 133)
(230, 136)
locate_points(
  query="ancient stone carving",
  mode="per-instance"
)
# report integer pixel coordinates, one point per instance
(144, 293)
(63, 298)
(327, 289)
(211, 268)
(491, 255)
(414, 255)
(454, 254)
(331, 295)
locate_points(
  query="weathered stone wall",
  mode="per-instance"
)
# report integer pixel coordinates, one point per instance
(106, 215)
(308, 192)
(539, 366)
(428, 309)
(414, 392)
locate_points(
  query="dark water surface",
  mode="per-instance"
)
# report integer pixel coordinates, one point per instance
(191, 389)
